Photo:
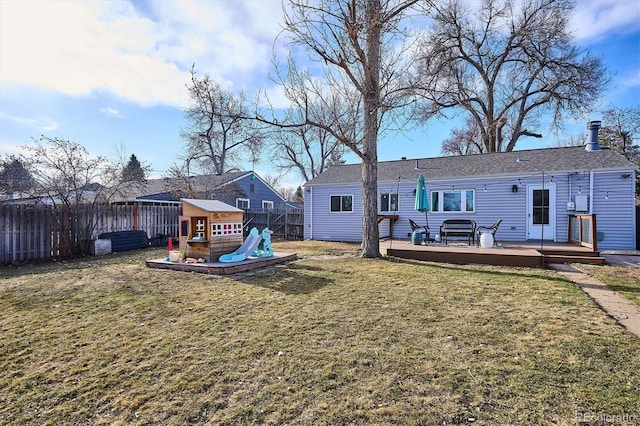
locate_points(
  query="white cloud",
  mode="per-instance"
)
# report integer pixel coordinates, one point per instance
(79, 48)
(595, 19)
(111, 112)
(48, 125)
(43, 123)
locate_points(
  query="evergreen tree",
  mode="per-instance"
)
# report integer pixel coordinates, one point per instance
(133, 171)
(14, 177)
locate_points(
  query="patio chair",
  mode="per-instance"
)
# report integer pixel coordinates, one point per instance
(491, 229)
(423, 229)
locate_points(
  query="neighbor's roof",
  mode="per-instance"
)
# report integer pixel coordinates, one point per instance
(164, 188)
(524, 162)
(211, 205)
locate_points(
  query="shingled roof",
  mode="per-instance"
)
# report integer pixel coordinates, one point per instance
(553, 160)
(171, 189)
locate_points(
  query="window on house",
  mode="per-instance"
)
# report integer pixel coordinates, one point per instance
(267, 204)
(342, 203)
(242, 203)
(388, 202)
(199, 229)
(453, 201)
(252, 187)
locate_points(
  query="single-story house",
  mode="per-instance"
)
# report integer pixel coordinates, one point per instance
(245, 190)
(535, 193)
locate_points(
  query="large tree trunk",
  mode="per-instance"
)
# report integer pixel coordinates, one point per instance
(370, 233)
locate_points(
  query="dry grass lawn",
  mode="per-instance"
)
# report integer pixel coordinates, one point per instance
(329, 339)
(625, 281)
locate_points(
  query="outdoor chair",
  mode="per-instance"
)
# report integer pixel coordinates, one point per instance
(491, 229)
(423, 229)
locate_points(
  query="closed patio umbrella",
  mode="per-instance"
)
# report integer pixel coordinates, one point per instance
(422, 198)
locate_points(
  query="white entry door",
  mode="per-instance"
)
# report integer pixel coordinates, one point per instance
(541, 212)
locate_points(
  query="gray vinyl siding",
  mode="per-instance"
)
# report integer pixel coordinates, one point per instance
(497, 202)
(615, 215)
(323, 224)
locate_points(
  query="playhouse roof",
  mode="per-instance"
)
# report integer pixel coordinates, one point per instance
(563, 159)
(211, 205)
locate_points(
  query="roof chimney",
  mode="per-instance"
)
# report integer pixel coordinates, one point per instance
(593, 127)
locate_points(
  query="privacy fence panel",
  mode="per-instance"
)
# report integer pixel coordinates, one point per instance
(35, 232)
(285, 224)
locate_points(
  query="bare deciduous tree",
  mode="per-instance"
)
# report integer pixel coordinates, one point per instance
(572, 140)
(621, 131)
(506, 64)
(360, 47)
(620, 128)
(307, 149)
(71, 181)
(218, 131)
(464, 141)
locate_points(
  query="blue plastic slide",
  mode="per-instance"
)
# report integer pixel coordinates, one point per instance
(249, 245)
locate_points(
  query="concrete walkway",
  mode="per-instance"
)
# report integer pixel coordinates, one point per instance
(617, 306)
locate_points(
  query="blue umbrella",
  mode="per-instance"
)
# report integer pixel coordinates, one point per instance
(422, 198)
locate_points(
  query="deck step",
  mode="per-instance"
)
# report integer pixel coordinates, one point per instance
(562, 258)
(569, 252)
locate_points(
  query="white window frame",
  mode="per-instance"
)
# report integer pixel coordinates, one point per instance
(438, 207)
(226, 229)
(242, 200)
(267, 204)
(199, 225)
(341, 203)
(390, 196)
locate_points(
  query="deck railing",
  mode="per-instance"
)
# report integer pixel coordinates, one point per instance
(582, 230)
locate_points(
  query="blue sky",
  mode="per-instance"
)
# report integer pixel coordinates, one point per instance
(111, 75)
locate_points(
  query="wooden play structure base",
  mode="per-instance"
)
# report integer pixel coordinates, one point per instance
(219, 268)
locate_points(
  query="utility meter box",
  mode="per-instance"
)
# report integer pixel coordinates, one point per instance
(581, 203)
(571, 206)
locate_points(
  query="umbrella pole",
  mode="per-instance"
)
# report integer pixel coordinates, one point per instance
(426, 218)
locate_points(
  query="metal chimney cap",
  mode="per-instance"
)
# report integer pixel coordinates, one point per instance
(593, 127)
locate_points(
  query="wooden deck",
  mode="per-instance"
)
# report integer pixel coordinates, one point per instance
(524, 254)
(220, 268)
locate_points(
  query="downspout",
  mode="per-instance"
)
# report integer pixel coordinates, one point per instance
(311, 212)
(591, 192)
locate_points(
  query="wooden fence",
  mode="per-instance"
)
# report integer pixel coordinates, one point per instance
(35, 232)
(285, 224)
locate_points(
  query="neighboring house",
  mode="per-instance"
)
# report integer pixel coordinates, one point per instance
(244, 190)
(534, 192)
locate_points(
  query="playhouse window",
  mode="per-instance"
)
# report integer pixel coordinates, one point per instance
(223, 229)
(199, 227)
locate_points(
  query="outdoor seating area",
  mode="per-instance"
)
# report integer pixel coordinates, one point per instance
(488, 231)
(465, 228)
